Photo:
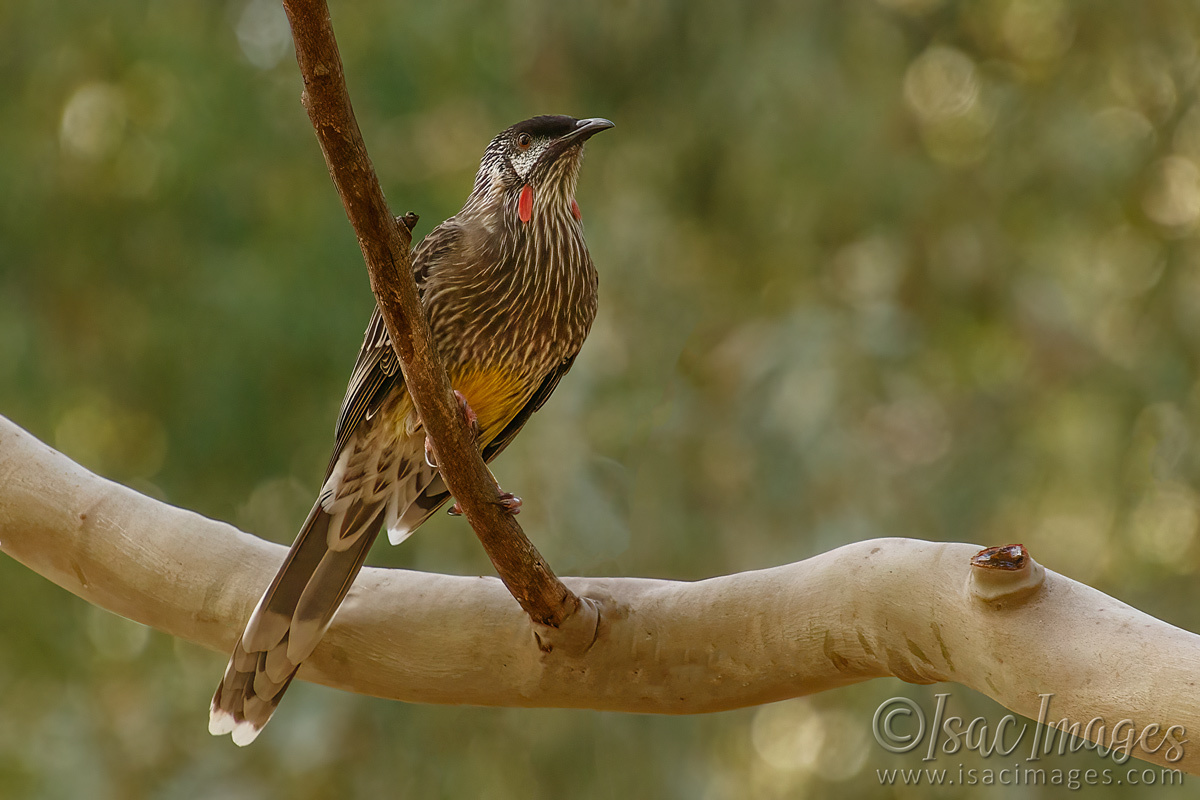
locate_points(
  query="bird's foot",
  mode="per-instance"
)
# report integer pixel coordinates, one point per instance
(511, 503)
(469, 416)
(508, 501)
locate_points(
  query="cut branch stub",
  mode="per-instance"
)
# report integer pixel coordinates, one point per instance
(1005, 573)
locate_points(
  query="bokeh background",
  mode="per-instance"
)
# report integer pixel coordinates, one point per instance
(868, 268)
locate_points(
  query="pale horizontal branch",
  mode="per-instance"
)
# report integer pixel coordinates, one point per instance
(901, 607)
(384, 245)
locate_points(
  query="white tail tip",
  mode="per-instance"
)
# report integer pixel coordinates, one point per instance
(397, 535)
(221, 722)
(244, 733)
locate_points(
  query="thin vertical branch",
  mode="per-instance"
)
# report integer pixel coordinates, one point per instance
(385, 244)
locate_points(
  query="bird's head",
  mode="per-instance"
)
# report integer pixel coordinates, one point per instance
(535, 163)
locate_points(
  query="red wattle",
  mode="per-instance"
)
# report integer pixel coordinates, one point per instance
(525, 203)
(575, 209)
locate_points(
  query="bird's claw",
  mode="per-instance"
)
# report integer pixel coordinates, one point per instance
(508, 501)
(511, 503)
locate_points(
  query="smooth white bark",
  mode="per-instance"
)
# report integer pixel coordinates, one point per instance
(904, 607)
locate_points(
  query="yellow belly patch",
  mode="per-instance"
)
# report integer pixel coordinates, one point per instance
(496, 395)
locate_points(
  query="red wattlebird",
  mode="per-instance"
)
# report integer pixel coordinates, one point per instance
(510, 291)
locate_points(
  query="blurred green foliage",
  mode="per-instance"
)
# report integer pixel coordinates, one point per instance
(868, 268)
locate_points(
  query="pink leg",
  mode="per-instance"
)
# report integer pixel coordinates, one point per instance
(508, 501)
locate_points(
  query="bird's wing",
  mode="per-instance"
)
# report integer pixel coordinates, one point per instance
(377, 371)
(535, 401)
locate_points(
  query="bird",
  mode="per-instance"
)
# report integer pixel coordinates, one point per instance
(510, 292)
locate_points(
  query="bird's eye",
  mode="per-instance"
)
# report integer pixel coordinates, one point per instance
(524, 140)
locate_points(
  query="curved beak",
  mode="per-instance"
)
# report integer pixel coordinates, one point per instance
(586, 129)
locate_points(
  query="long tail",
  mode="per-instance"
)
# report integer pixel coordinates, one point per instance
(291, 617)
